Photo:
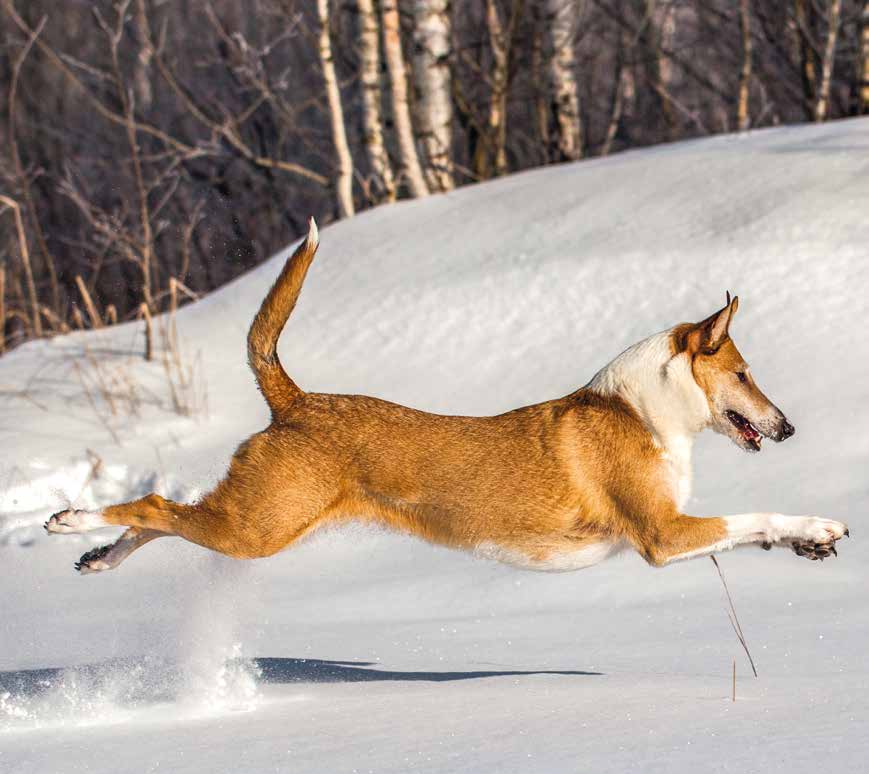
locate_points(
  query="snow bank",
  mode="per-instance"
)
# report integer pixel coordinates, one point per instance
(474, 302)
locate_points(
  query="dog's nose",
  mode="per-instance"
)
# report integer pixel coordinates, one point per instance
(787, 430)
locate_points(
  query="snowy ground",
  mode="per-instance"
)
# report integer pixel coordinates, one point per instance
(362, 651)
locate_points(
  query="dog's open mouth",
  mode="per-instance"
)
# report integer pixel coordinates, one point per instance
(747, 430)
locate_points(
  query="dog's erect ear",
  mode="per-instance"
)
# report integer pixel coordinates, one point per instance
(709, 335)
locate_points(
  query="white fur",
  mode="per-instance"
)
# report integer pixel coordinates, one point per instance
(76, 521)
(772, 528)
(556, 562)
(661, 388)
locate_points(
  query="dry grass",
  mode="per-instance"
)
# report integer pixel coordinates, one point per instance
(114, 390)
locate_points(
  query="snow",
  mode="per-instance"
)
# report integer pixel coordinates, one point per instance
(365, 651)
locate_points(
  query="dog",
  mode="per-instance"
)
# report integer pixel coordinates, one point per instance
(556, 486)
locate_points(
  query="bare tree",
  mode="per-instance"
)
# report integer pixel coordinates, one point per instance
(805, 16)
(122, 132)
(344, 170)
(434, 102)
(491, 153)
(743, 117)
(834, 12)
(411, 168)
(561, 22)
(142, 77)
(659, 32)
(863, 62)
(372, 119)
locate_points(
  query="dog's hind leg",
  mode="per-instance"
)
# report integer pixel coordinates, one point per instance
(110, 556)
(244, 535)
(152, 513)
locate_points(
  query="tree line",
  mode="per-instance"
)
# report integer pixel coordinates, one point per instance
(157, 148)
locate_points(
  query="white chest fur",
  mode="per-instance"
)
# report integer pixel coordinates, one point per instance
(677, 457)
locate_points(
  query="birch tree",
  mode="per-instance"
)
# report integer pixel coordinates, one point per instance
(411, 169)
(834, 13)
(344, 167)
(372, 119)
(561, 21)
(434, 103)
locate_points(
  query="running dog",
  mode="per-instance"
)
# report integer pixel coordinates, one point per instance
(555, 486)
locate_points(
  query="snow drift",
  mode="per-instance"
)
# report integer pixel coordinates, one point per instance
(365, 651)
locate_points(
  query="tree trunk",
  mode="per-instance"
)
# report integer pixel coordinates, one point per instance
(369, 44)
(434, 103)
(401, 109)
(863, 63)
(743, 117)
(344, 170)
(822, 106)
(142, 73)
(659, 36)
(618, 101)
(805, 19)
(561, 20)
(491, 152)
(539, 79)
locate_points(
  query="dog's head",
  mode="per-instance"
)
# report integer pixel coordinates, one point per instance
(737, 407)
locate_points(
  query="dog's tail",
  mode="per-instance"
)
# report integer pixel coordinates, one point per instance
(262, 340)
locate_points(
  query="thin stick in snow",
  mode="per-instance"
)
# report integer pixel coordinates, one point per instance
(734, 680)
(734, 621)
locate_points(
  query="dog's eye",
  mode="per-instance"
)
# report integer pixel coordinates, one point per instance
(741, 376)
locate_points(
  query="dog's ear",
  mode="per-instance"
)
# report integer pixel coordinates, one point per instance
(706, 337)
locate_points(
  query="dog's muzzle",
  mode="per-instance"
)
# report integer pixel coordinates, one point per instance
(785, 431)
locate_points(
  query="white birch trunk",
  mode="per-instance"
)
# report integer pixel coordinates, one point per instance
(561, 20)
(822, 106)
(401, 109)
(434, 102)
(369, 44)
(344, 171)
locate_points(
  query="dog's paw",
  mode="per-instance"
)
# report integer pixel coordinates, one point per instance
(70, 520)
(94, 560)
(817, 540)
(62, 523)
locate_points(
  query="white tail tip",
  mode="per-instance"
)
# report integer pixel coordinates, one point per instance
(313, 233)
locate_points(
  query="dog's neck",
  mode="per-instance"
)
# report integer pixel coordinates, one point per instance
(661, 388)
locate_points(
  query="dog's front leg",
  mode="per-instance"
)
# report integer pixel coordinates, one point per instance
(808, 536)
(687, 537)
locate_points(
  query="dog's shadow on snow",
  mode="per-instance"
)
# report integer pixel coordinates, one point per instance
(314, 670)
(131, 681)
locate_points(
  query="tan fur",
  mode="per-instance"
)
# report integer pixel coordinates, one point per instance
(540, 481)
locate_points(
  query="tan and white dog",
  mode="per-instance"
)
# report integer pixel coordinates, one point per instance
(556, 486)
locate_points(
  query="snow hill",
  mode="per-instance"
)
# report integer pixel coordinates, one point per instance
(364, 651)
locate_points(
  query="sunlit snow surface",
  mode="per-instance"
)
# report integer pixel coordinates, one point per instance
(362, 651)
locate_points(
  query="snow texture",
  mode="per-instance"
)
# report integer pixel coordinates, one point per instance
(363, 651)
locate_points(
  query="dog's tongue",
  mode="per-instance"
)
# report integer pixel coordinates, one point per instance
(752, 436)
